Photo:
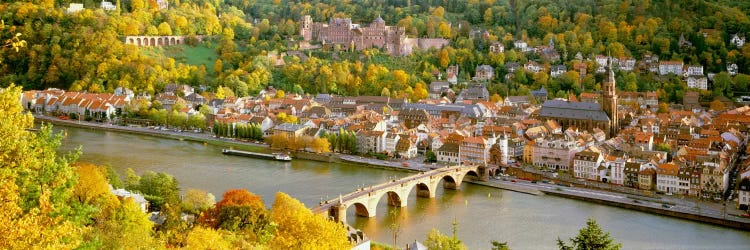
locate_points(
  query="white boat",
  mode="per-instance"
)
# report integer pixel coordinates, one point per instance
(282, 157)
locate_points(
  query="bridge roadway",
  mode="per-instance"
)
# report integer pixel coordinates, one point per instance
(366, 199)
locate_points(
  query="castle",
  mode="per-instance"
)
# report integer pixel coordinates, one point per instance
(342, 32)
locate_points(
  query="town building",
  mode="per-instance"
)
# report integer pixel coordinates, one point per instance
(586, 165)
(108, 6)
(667, 179)
(737, 40)
(476, 92)
(74, 7)
(497, 47)
(554, 152)
(414, 117)
(646, 179)
(557, 70)
(697, 82)
(484, 73)
(475, 150)
(448, 153)
(743, 199)
(290, 130)
(406, 148)
(670, 67)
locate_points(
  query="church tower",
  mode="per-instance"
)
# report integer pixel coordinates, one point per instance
(609, 101)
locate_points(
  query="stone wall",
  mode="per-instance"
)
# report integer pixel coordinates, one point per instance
(148, 41)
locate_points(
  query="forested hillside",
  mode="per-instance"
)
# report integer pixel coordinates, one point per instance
(85, 50)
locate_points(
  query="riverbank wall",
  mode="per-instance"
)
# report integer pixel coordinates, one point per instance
(654, 210)
(314, 157)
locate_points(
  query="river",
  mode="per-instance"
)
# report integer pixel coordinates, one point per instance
(482, 214)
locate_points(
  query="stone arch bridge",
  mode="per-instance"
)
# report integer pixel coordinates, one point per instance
(365, 200)
(148, 41)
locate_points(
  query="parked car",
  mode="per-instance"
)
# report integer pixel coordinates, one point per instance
(666, 206)
(514, 180)
(533, 182)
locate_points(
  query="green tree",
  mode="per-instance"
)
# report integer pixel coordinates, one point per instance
(439, 241)
(496, 245)
(197, 201)
(590, 237)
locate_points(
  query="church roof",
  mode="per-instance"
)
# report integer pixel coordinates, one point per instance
(573, 110)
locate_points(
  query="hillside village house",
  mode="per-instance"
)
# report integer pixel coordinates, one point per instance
(670, 67)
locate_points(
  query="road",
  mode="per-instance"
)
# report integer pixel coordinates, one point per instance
(675, 204)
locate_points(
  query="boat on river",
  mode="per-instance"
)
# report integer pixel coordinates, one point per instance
(273, 156)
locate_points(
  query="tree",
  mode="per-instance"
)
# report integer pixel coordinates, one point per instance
(240, 210)
(124, 226)
(197, 201)
(717, 106)
(431, 157)
(220, 93)
(299, 228)
(439, 241)
(722, 83)
(30, 159)
(321, 145)
(206, 238)
(91, 184)
(165, 29)
(664, 147)
(159, 189)
(496, 245)
(663, 108)
(218, 67)
(279, 94)
(590, 237)
(385, 92)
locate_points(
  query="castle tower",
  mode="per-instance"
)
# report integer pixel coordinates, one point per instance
(609, 101)
(305, 29)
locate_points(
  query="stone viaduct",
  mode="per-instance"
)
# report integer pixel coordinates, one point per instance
(146, 41)
(365, 200)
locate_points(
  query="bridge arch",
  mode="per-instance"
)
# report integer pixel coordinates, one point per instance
(172, 41)
(153, 42)
(362, 210)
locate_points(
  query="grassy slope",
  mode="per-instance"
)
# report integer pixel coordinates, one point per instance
(202, 54)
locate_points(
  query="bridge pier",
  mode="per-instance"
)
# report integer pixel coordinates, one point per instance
(337, 213)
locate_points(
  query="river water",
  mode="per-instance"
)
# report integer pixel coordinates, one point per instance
(482, 214)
